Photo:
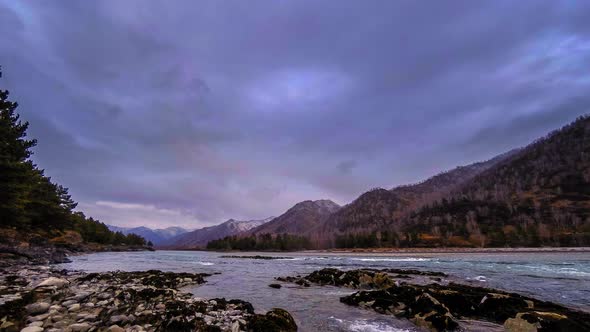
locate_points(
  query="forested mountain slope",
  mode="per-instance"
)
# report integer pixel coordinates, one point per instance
(540, 196)
(379, 208)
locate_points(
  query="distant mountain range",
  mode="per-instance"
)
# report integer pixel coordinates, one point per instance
(534, 196)
(156, 236)
(200, 237)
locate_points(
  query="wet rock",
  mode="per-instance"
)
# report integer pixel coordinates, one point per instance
(277, 286)
(534, 321)
(440, 307)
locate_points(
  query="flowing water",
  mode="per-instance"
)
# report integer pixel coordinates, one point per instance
(559, 277)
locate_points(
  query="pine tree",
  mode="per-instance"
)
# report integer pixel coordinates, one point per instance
(15, 167)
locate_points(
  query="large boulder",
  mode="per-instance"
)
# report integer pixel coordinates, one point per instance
(540, 321)
(276, 320)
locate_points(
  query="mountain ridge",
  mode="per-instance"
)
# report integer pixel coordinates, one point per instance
(200, 237)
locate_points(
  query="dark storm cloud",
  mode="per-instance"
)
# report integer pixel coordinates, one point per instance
(191, 112)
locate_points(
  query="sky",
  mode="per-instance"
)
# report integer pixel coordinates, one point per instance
(165, 113)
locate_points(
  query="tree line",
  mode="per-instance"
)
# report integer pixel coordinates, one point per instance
(263, 242)
(30, 202)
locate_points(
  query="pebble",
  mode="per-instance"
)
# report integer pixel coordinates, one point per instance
(74, 307)
(38, 308)
(81, 327)
(111, 301)
(32, 329)
(116, 328)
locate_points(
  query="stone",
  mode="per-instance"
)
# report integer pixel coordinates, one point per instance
(119, 319)
(533, 321)
(8, 326)
(274, 320)
(32, 329)
(235, 326)
(79, 327)
(115, 328)
(68, 303)
(53, 282)
(74, 307)
(277, 286)
(38, 308)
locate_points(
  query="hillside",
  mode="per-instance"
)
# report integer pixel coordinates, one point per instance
(155, 236)
(200, 237)
(540, 196)
(379, 208)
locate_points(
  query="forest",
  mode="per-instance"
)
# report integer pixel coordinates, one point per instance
(262, 242)
(31, 204)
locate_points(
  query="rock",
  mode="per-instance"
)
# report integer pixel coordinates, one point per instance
(38, 308)
(519, 325)
(278, 320)
(430, 313)
(8, 326)
(79, 327)
(32, 329)
(37, 323)
(115, 328)
(274, 286)
(53, 281)
(68, 303)
(119, 319)
(74, 307)
(534, 321)
(235, 326)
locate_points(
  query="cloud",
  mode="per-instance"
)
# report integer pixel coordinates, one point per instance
(214, 110)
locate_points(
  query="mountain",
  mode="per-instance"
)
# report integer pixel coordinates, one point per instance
(538, 196)
(199, 238)
(300, 219)
(534, 196)
(156, 236)
(379, 207)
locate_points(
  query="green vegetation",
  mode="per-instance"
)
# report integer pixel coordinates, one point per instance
(30, 203)
(282, 242)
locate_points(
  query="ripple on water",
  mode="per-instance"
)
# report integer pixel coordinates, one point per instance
(409, 259)
(363, 325)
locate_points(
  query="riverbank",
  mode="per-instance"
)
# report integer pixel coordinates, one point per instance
(40, 298)
(29, 254)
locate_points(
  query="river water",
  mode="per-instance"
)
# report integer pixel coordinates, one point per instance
(559, 277)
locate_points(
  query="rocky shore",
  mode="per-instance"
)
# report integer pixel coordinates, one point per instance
(39, 298)
(41, 252)
(429, 300)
